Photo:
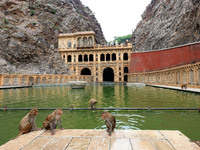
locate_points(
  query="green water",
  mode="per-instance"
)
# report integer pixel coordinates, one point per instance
(108, 96)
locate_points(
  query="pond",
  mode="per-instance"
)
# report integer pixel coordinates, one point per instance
(109, 96)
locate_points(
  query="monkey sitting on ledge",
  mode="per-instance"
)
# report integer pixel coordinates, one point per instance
(51, 121)
(183, 86)
(28, 123)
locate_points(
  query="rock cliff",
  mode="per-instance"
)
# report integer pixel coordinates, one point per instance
(29, 30)
(167, 23)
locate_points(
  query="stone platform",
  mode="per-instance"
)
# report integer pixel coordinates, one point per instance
(88, 139)
(193, 90)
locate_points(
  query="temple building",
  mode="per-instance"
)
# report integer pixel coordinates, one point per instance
(85, 57)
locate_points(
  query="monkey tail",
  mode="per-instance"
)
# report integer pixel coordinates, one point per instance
(110, 129)
(20, 133)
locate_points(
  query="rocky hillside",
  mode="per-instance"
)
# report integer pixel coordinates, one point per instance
(29, 30)
(167, 23)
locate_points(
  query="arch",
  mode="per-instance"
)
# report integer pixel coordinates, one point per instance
(90, 41)
(6, 81)
(107, 57)
(30, 81)
(38, 80)
(85, 57)
(91, 57)
(108, 74)
(125, 69)
(79, 42)
(69, 58)
(63, 44)
(102, 57)
(80, 58)
(125, 56)
(15, 81)
(56, 80)
(85, 71)
(62, 80)
(69, 44)
(50, 80)
(24, 80)
(44, 80)
(113, 57)
(125, 78)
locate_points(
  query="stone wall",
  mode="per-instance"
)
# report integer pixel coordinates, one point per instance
(163, 59)
(37, 79)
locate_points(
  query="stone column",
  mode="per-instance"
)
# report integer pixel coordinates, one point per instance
(195, 75)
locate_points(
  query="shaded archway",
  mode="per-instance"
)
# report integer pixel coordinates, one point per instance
(85, 57)
(102, 58)
(107, 57)
(85, 71)
(69, 58)
(80, 58)
(113, 57)
(125, 56)
(108, 74)
(125, 78)
(125, 69)
(91, 57)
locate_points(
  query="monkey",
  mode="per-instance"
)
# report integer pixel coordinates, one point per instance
(183, 86)
(109, 120)
(92, 102)
(51, 121)
(5, 108)
(28, 123)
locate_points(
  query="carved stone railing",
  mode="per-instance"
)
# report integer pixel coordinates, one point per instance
(186, 74)
(40, 79)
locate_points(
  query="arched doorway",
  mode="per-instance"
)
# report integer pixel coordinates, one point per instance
(85, 71)
(125, 78)
(108, 74)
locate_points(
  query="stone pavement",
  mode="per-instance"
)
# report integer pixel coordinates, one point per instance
(88, 139)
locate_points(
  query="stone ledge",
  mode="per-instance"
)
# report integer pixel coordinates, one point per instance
(98, 139)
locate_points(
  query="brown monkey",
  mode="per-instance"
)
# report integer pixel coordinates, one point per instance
(5, 108)
(109, 120)
(28, 123)
(183, 86)
(92, 102)
(51, 120)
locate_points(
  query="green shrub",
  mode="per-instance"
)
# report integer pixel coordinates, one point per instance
(5, 21)
(32, 12)
(53, 11)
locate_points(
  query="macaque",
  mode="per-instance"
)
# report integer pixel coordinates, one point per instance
(28, 123)
(5, 108)
(109, 120)
(183, 86)
(92, 102)
(51, 121)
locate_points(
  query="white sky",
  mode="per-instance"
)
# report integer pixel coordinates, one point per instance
(117, 17)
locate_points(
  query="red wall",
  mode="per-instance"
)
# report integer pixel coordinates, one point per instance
(156, 60)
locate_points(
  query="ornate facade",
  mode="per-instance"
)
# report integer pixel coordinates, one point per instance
(102, 62)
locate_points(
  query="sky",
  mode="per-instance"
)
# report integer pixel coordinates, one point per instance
(117, 17)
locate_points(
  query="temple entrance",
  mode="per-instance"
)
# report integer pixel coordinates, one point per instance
(85, 71)
(108, 74)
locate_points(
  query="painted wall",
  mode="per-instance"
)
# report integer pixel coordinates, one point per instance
(162, 59)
